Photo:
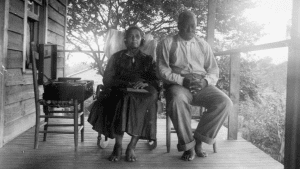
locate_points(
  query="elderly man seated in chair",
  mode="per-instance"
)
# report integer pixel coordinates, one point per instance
(121, 110)
(187, 66)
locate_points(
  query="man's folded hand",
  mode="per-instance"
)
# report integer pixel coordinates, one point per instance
(197, 84)
(186, 83)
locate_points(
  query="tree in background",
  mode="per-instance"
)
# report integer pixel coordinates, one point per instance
(88, 21)
(233, 30)
(261, 102)
(264, 118)
(248, 79)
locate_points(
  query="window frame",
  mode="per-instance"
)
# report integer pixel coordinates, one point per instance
(33, 17)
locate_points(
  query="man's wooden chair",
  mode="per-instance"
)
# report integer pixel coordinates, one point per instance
(170, 129)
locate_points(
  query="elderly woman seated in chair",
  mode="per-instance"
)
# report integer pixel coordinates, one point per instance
(120, 110)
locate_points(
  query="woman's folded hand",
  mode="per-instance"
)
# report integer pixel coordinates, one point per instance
(140, 85)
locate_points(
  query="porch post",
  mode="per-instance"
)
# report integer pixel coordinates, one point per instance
(234, 93)
(211, 17)
(65, 38)
(4, 9)
(292, 123)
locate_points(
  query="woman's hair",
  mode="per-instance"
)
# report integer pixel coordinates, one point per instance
(135, 28)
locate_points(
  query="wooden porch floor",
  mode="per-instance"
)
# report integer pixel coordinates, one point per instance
(58, 153)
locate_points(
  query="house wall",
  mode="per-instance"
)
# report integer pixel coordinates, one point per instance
(56, 29)
(3, 53)
(19, 105)
(18, 86)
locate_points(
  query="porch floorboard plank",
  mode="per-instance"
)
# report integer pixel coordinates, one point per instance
(58, 153)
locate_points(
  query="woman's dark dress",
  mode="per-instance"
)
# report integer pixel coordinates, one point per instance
(120, 111)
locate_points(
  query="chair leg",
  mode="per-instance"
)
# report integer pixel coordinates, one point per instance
(75, 124)
(98, 139)
(37, 126)
(102, 143)
(37, 103)
(152, 144)
(46, 111)
(168, 133)
(82, 122)
(215, 147)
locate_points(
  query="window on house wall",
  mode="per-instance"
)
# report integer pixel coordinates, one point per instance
(32, 30)
(34, 9)
(31, 41)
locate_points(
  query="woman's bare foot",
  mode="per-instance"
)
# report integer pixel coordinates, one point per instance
(199, 151)
(188, 155)
(130, 155)
(116, 154)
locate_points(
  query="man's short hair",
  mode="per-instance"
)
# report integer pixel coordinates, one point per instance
(186, 14)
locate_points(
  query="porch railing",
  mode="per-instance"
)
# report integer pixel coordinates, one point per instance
(235, 79)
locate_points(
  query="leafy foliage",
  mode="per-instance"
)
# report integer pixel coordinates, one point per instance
(236, 31)
(264, 118)
(262, 102)
(262, 105)
(248, 80)
(89, 20)
(264, 124)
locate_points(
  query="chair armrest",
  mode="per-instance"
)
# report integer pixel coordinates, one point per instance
(99, 88)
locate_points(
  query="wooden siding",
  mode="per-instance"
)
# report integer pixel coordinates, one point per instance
(15, 59)
(19, 108)
(58, 152)
(60, 72)
(15, 41)
(18, 93)
(56, 28)
(15, 23)
(54, 38)
(56, 22)
(4, 13)
(18, 126)
(15, 34)
(64, 2)
(16, 77)
(60, 62)
(59, 6)
(12, 112)
(17, 7)
(16, 84)
(56, 16)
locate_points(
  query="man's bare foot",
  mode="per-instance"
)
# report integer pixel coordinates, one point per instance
(188, 155)
(116, 154)
(130, 155)
(199, 151)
